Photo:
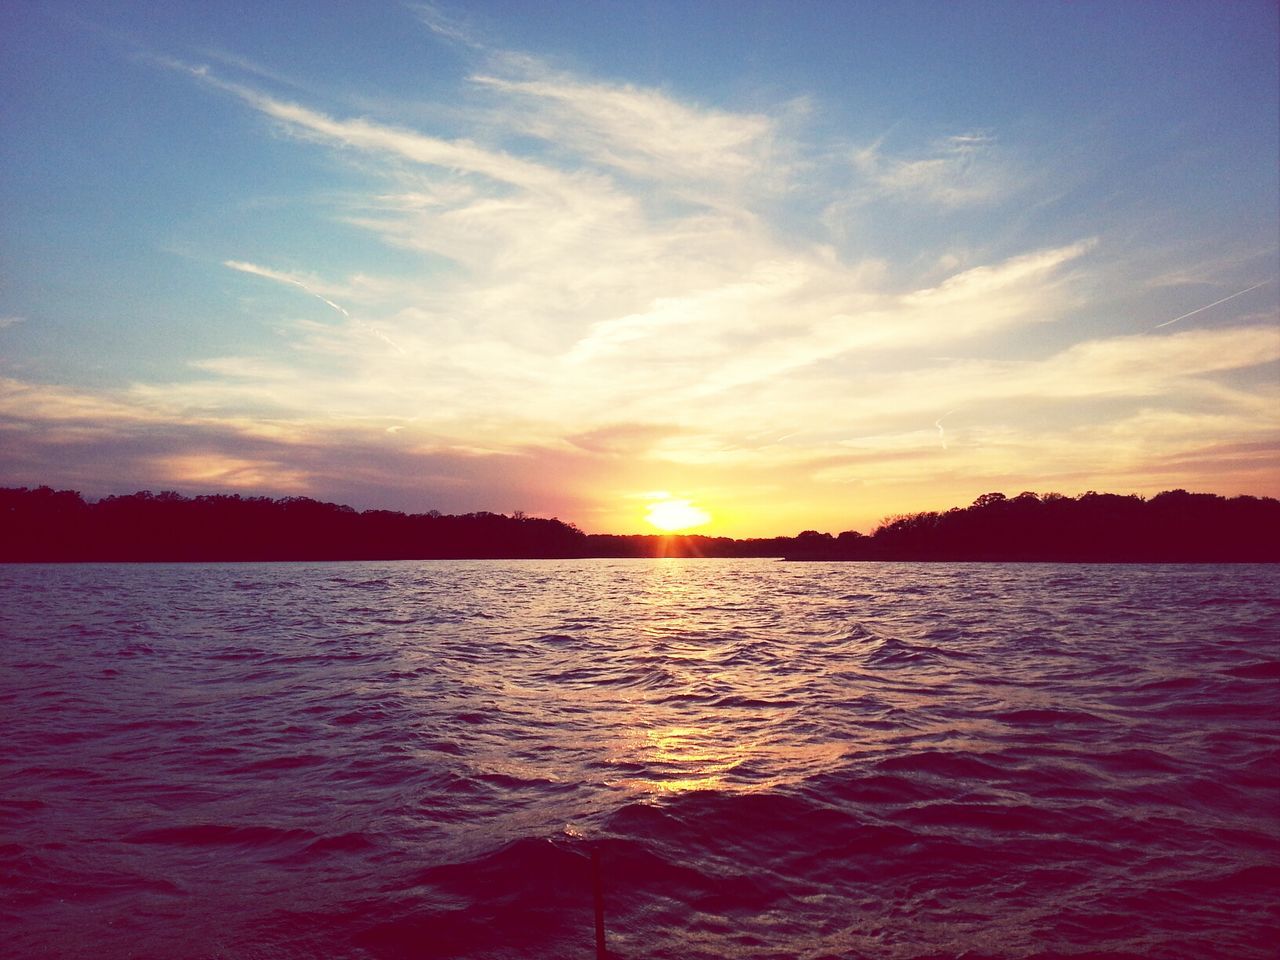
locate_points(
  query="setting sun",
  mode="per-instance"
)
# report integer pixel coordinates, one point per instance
(673, 515)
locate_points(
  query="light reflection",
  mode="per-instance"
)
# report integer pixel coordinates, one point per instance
(705, 709)
(679, 759)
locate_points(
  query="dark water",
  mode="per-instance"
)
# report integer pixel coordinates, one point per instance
(773, 760)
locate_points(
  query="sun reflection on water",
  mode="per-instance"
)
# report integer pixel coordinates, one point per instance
(688, 689)
(681, 759)
(675, 757)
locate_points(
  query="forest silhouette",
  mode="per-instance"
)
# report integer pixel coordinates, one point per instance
(46, 525)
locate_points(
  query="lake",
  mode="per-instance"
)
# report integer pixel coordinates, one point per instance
(771, 760)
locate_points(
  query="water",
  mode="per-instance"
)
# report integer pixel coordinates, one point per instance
(414, 759)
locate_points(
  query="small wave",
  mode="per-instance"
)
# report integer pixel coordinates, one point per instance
(218, 834)
(872, 791)
(941, 763)
(1262, 670)
(1220, 601)
(993, 819)
(1048, 717)
(369, 713)
(739, 702)
(507, 782)
(273, 764)
(1171, 684)
(442, 746)
(136, 650)
(339, 846)
(892, 652)
(1132, 761)
(531, 862)
(555, 639)
(27, 805)
(234, 654)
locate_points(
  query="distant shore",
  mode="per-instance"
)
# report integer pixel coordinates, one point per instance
(46, 525)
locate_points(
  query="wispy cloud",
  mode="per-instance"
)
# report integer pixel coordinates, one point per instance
(406, 144)
(642, 132)
(956, 171)
(446, 25)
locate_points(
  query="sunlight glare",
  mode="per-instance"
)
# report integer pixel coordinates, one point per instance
(673, 515)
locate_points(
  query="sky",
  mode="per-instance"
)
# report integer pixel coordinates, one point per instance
(741, 267)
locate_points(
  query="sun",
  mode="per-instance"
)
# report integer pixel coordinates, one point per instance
(672, 515)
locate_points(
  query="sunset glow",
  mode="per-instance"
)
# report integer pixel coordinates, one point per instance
(676, 515)
(819, 263)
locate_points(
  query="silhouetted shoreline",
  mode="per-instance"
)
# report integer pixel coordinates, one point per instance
(44, 525)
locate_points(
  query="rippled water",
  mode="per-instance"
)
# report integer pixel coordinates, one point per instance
(775, 760)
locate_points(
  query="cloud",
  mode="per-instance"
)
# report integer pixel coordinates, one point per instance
(599, 288)
(11, 321)
(622, 439)
(458, 155)
(102, 443)
(642, 132)
(573, 265)
(956, 171)
(1021, 291)
(1176, 369)
(1148, 451)
(46, 404)
(445, 25)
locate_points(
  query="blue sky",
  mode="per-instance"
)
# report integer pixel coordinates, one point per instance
(795, 264)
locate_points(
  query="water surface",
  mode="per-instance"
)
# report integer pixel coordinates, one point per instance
(414, 759)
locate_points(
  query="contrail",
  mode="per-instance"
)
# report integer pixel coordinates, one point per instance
(1240, 293)
(942, 433)
(280, 277)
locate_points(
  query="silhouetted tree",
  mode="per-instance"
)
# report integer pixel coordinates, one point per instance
(48, 525)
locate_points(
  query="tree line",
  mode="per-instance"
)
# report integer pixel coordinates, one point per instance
(42, 524)
(1174, 526)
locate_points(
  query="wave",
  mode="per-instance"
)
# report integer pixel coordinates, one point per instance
(391, 760)
(207, 834)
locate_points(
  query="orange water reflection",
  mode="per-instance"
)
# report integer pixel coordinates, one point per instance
(725, 721)
(678, 759)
